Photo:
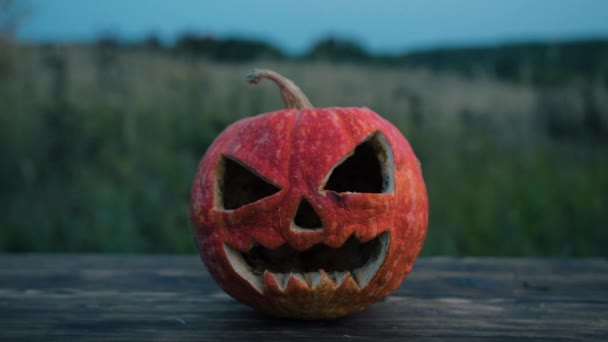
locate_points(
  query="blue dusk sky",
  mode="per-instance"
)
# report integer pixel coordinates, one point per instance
(381, 26)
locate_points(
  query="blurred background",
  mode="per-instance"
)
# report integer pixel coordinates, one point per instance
(106, 107)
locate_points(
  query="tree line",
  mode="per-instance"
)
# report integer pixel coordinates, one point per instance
(531, 62)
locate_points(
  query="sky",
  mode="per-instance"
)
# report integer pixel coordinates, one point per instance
(382, 26)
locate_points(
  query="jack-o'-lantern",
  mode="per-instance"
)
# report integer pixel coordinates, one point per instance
(309, 213)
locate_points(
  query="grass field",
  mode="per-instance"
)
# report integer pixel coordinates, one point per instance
(99, 147)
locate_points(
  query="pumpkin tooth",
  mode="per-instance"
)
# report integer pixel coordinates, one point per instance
(333, 277)
(350, 283)
(282, 279)
(312, 279)
(338, 277)
(325, 281)
(296, 280)
(270, 283)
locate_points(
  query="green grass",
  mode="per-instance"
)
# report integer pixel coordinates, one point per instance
(99, 149)
(537, 201)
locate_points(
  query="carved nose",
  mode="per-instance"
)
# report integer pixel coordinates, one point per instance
(306, 217)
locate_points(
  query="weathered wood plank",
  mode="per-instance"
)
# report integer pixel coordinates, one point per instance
(98, 297)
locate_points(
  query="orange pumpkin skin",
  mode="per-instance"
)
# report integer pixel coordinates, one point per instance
(296, 150)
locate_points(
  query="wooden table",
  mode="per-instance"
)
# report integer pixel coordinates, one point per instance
(172, 298)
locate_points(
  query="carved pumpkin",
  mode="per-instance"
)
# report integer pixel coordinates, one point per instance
(309, 213)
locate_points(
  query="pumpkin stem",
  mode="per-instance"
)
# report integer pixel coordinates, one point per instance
(291, 93)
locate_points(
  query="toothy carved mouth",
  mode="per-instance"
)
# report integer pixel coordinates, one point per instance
(318, 264)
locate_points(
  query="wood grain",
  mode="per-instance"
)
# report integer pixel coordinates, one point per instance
(172, 298)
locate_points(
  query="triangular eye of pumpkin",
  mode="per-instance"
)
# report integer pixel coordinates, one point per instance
(237, 185)
(369, 169)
